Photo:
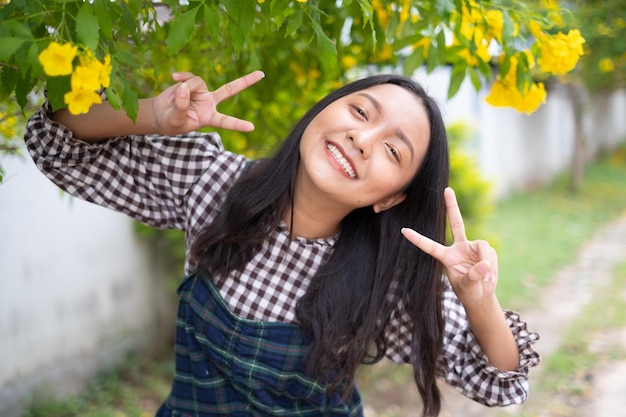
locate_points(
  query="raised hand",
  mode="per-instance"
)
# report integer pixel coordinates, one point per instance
(472, 266)
(189, 105)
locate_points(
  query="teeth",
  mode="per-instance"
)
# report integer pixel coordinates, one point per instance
(341, 160)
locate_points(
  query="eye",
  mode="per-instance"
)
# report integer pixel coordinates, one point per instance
(394, 152)
(360, 112)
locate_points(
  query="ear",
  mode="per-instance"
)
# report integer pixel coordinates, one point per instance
(388, 202)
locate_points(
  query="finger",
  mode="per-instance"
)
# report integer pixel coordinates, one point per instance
(232, 123)
(182, 76)
(482, 271)
(485, 253)
(457, 227)
(181, 100)
(236, 86)
(429, 246)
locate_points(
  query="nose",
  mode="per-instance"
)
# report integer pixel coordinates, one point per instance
(362, 141)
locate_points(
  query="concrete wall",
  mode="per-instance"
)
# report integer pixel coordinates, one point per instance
(77, 289)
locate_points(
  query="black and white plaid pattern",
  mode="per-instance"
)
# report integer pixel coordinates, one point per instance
(180, 182)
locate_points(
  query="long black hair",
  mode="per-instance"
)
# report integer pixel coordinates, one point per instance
(372, 269)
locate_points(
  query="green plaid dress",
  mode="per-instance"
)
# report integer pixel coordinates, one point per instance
(227, 365)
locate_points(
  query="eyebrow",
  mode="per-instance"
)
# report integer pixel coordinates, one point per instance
(399, 133)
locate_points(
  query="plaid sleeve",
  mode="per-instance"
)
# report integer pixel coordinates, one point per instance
(151, 178)
(462, 363)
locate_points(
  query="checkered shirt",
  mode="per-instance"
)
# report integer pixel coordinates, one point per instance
(181, 181)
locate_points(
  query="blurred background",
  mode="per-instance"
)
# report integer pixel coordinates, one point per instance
(87, 296)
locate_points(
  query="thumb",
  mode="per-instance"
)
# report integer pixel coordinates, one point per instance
(482, 271)
(181, 99)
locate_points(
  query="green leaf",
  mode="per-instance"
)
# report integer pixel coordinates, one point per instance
(87, 27)
(126, 58)
(9, 46)
(295, 21)
(8, 81)
(57, 87)
(279, 11)
(180, 31)
(19, 29)
(508, 27)
(413, 61)
(104, 18)
(113, 98)
(475, 78)
(35, 69)
(368, 12)
(212, 22)
(441, 47)
(444, 7)
(456, 79)
(130, 102)
(327, 48)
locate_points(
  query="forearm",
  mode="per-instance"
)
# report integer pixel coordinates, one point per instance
(489, 326)
(103, 121)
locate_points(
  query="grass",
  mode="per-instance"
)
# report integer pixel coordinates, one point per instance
(537, 232)
(134, 388)
(534, 234)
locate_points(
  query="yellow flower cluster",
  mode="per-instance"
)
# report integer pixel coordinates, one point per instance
(481, 28)
(89, 76)
(504, 92)
(559, 53)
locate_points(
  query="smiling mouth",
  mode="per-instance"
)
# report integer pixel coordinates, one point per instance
(341, 160)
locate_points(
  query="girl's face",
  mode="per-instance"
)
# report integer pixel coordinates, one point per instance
(364, 148)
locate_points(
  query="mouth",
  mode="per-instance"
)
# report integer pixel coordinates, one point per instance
(341, 160)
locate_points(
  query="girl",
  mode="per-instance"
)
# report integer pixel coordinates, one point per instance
(307, 264)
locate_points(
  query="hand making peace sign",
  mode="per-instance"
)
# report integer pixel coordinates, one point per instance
(189, 105)
(472, 266)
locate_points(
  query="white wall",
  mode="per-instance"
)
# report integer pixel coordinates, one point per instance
(517, 151)
(77, 288)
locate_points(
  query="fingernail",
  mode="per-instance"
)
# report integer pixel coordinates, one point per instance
(183, 90)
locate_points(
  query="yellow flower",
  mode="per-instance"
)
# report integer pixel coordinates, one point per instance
(405, 11)
(384, 53)
(7, 125)
(504, 92)
(606, 65)
(105, 71)
(301, 1)
(504, 95)
(57, 59)
(79, 101)
(495, 21)
(381, 11)
(535, 30)
(102, 69)
(260, 1)
(349, 61)
(560, 53)
(85, 78)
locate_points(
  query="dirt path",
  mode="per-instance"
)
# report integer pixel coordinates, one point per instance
(559, 304)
